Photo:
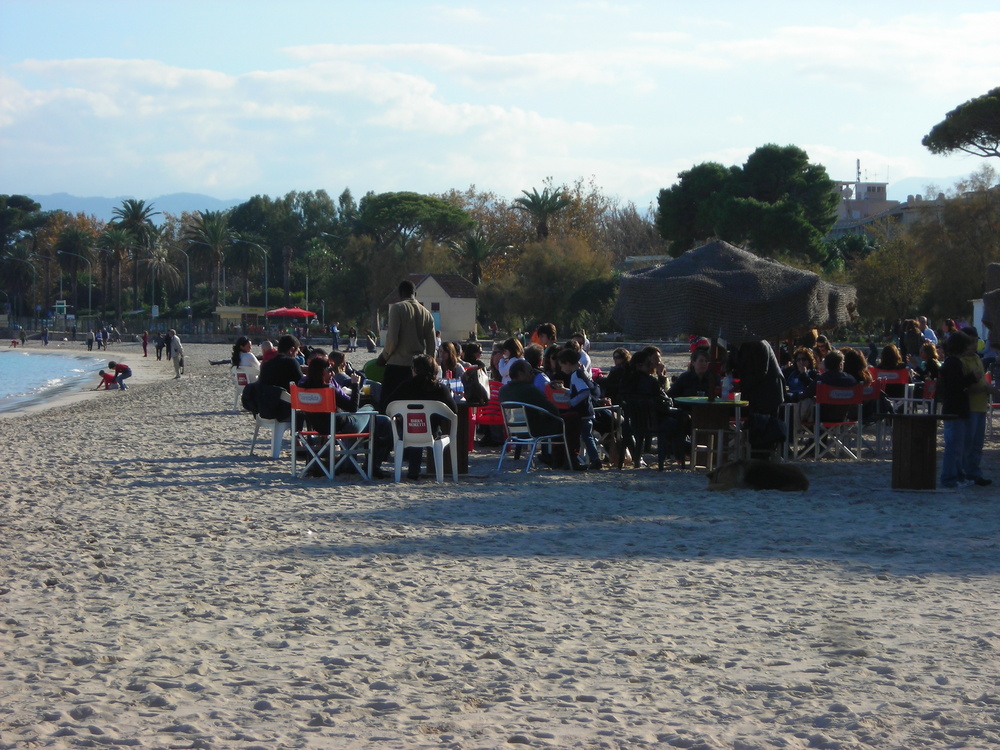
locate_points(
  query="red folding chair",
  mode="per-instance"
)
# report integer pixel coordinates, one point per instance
(489, 414)
(330, 451)
(840, 436)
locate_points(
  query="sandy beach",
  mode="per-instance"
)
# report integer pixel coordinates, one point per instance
(162, 589)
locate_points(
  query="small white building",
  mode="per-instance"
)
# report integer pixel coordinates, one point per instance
(450, 298)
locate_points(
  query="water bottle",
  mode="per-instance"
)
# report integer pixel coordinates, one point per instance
(727, 387)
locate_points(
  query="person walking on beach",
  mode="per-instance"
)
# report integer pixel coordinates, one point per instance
(90, 340)
(176, 353)
(159, 343)
(410, 332)
(145, 343)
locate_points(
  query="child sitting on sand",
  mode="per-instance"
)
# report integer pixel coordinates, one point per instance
(108, 381)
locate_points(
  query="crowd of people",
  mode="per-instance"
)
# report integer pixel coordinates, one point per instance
(559, 380)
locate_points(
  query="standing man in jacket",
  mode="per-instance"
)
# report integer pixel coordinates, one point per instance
(410, 332)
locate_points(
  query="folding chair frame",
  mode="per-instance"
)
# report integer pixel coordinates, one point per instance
(515, 417)
(336, 448)
(833, 438)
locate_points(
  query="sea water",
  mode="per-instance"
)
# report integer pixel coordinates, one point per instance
(31, 377)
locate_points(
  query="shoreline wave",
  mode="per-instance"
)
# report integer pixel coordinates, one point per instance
(50, 388)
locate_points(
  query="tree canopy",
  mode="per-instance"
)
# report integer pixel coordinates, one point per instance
(973, 127)
(18, 215)
(397, 218)
(542, 207)
(777, 203)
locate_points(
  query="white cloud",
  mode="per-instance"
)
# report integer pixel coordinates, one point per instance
(637, 98)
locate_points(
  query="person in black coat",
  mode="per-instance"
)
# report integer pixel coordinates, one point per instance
(800, 374)
(763, 385)
(422, 386)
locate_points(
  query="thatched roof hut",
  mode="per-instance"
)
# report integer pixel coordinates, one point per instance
(718, 289)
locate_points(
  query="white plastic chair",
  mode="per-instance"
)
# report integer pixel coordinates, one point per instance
(242, 377)
(278, 428)
(412, 426)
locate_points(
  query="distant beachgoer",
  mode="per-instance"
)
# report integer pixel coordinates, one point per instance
(24, 337)
(90, 340)
(159, 343)
(145, 343)
(176, 353)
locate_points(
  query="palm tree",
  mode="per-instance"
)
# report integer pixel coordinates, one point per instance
(137, 218)
(210, 231)
(116, 242)
(159, 265)
(73, 250)
(542, 207)
(249, 256)
(475, 250)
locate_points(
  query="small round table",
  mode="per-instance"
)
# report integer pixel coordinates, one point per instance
(712, 419)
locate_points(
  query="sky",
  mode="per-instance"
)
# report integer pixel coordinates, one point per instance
(237, 98)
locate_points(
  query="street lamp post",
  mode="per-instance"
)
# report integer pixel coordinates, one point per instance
(90, 278)
(187, 258)
(264, 253)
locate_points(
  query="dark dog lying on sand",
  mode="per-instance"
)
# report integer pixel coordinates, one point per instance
(752, 474)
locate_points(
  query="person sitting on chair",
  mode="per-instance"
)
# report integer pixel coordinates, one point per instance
(643, 389)
(697, 380)
(523, 389)
(422, 386)
(611, 384)
(282, 368)
(833, 374)
(890, 359)
(800, 374)
(320, 373)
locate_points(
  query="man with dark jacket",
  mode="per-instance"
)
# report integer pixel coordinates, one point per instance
(278, 372)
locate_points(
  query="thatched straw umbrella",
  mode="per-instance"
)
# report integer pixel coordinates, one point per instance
(720, 290)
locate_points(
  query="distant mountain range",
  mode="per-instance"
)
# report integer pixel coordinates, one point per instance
(177, 203)
(102, 208)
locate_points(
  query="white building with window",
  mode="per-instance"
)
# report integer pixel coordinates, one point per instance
(450, 298)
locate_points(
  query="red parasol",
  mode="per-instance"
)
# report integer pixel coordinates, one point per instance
(289, 312)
